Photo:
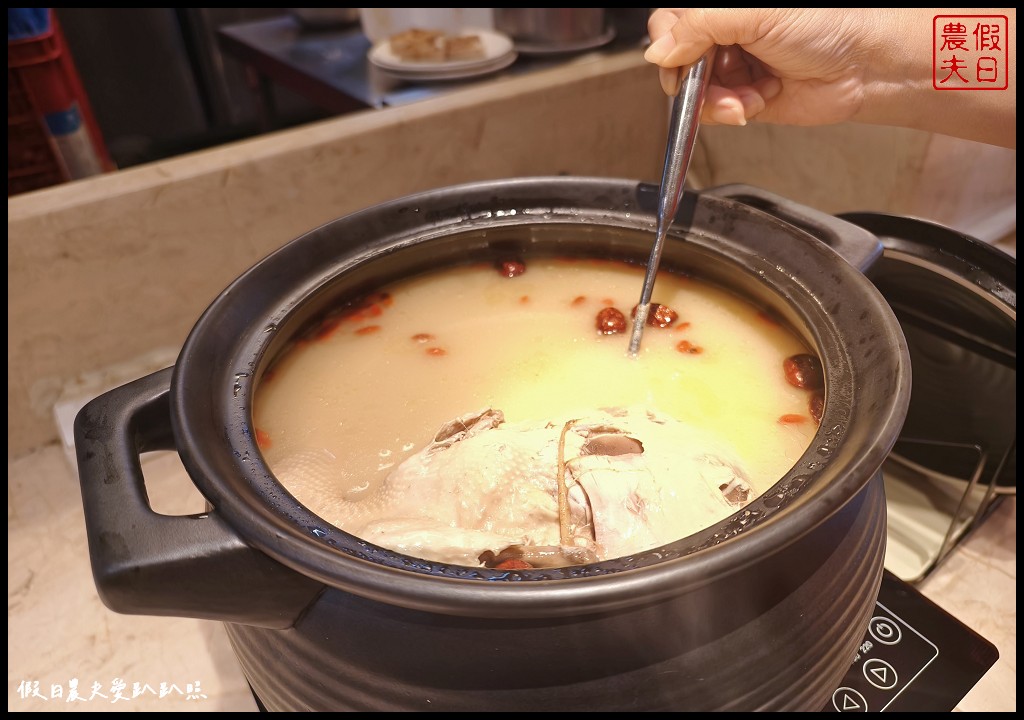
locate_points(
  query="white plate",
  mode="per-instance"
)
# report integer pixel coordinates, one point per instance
(492, 66)
(496, 46)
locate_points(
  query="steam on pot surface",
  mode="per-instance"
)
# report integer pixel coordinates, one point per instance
(488, 415)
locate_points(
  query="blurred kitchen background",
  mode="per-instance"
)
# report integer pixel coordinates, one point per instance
(152, 83)
(159, 83)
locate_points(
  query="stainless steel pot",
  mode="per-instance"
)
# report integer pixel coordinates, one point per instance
(762, 611)
(323, 18)
(552, 28)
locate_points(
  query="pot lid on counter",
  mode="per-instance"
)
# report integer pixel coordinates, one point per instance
(956, 299)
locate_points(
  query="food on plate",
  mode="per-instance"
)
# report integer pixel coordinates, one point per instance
(421, 45)
(418, 45)
(476, 415)
(465, 47)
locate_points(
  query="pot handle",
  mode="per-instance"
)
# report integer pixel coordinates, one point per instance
(145, 563)
(856, 245)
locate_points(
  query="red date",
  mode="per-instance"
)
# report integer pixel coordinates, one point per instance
(816, 405)
(804, 371)
(262, 439)
(791, 419)
(384, 299)
(660, 316)
(610, 321)
(511, 268)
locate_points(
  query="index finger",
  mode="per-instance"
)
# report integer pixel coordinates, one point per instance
(693, 30)
(660, 22)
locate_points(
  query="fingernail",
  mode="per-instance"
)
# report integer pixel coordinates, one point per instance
(752, 102)
(728, 113)
(660, 48)
(670, 79)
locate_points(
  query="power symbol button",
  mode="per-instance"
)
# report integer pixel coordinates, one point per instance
(884, 630)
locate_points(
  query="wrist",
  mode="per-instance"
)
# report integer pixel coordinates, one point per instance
(898, 81)
(898, 72)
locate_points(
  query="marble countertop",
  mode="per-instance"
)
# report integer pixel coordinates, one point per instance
(62, 642)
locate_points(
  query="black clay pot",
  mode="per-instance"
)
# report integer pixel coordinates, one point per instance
(761, 612)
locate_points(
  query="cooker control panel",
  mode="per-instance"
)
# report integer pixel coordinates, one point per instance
(914, 657)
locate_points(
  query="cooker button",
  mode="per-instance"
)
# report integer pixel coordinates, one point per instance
(885, 630)
(849, 700)
(880, 674)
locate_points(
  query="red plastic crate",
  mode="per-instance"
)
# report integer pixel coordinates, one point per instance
(42, 79)
(33, 161)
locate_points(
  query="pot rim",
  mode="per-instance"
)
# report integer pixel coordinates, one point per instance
(218, 448)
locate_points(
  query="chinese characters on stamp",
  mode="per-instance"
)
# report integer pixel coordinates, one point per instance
(970, 52)
(118, 690)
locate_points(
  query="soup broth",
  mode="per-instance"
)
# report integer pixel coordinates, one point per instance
(348, 418)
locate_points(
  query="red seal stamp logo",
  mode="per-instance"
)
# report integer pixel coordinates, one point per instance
(970, 52)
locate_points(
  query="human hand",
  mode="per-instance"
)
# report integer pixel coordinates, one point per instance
(797, 66)
(814, 66)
